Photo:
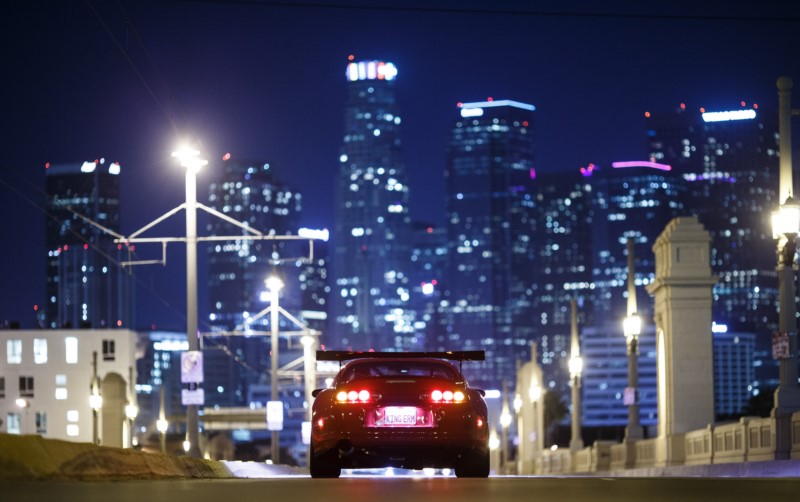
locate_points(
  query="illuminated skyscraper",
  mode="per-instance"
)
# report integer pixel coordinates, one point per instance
(248, 192)
(629, 199)
(562, 268)
(730, 162)
(372, 247)
(86, 285)
(491, 232)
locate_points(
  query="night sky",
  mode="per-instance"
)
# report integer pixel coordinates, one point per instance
(266, 80)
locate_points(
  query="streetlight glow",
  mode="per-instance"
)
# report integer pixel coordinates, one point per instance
(131, 411)
(274, 283)
(575, 366)
(95, 401)
(632, 325)
(535, 392)
(162, 425)
(189, 158)
(786, 220)
(505, 419)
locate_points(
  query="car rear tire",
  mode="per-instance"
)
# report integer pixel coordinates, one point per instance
(473, 464)
(325, 465)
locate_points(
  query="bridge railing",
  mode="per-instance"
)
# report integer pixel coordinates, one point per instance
(750, 439)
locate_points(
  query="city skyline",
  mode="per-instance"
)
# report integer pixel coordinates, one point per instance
(81, 97)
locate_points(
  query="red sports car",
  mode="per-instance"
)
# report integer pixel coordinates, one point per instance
(408, 410)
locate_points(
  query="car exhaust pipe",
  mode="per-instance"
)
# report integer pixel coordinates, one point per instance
(345, 448)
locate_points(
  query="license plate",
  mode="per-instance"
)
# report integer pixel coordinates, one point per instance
(400, 415)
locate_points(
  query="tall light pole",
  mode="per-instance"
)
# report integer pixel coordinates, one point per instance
(189, 158)
(785, 227)
(575, 371)
(632, 327)
(274, 284)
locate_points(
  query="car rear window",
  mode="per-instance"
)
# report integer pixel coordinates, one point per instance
(415, 369)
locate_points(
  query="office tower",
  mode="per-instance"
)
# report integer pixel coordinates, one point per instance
(562, 268)
(248, 192)
(605, 375)
(490, 234)
(86, 285)
(630, 199)
(372, 246)
(428, 265)
(730, 162)
(734, 374)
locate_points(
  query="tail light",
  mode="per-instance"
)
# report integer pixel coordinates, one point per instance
(444, 396)
(355, 396)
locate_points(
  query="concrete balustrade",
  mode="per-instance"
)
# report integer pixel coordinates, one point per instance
(761, 439)
(750, 439)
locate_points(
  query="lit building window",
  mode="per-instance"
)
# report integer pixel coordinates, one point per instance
(72, 416)
(39, 350)
(61, 393)
(13, 423)
(73, 430)
(71, 349)
(14, 352)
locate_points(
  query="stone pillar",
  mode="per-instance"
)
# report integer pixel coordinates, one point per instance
(682, 290)
(530, 421)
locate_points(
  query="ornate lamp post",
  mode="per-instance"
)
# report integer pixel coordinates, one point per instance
(575, 371)
(161, 424)
(785, 227)
(505, 423)
(25, 405)
(632, 327)
(95, 401)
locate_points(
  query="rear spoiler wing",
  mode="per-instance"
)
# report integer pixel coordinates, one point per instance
(345, 355)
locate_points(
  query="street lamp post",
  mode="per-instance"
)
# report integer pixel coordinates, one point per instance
(161, 424)
(785, 228)
(505, 422)
(131, 409)
(274, 284)
(535, 394)
(632, 327)
(189, 158)
(575, 371)
(24, 404)
(95, 400)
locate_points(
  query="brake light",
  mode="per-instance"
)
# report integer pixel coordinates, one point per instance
(354, 396)
(447, 396)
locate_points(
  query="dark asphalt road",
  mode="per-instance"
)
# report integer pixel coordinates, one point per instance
(296, 488)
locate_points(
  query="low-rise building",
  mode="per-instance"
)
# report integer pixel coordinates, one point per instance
(47, 378)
